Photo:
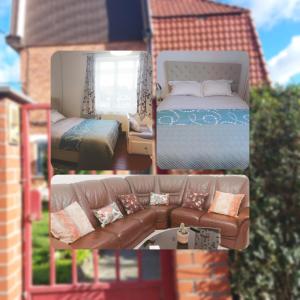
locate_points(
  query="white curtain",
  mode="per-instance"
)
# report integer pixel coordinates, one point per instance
(116, 84)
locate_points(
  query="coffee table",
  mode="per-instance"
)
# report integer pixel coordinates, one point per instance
(205, 238)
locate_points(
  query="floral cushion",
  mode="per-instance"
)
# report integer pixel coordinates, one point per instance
(195, 200)
(108, 214)
(226, 203)
(159, 199)
(70, 223)
(130, 203)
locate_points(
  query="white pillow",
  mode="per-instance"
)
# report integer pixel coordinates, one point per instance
(135, 122)
(56, 116)
(186, 88)
(217, 88)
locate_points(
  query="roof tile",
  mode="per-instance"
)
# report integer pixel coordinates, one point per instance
(215, 32)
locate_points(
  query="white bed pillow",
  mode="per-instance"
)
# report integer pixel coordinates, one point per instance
(186, 88)
(217, 88)
(56, 116)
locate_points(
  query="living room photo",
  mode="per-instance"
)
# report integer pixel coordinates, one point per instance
(101, 114)
(209, 212)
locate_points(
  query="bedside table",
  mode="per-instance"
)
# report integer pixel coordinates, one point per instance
(139, 143)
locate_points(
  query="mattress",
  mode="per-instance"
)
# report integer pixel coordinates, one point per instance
(94, 141)
(203, 133)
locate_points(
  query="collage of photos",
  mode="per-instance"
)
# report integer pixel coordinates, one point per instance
(149, 149)
(107, 122)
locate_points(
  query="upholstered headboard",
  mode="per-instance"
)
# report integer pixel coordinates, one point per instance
(200, 71)
(204, 65)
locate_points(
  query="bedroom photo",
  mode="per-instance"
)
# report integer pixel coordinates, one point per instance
(101, 110)
(202, 110)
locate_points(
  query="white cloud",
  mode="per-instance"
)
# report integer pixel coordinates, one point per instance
(286, 63)
(267, 13)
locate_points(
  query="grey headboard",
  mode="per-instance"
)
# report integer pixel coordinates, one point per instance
(200, 71)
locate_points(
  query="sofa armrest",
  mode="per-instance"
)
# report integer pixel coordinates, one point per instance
(243, 215)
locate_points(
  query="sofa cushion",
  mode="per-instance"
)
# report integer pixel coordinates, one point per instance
(142, 186)
(201, 184)
(147, 217)
(226, 204)
(127, 229)
(130, 203)
(108, 214)
(194, 200)
(174, 185)
(70, 223)
(98, 239)
(188, 216)
(227, 225)
(235, 184)
(159, 199)
(163, 212)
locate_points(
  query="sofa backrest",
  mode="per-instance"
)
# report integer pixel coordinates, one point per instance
(236, 184)
(62, 195)
(173, 185)
(142, 186)
(201, 184)
(116, 186)
(92, 194)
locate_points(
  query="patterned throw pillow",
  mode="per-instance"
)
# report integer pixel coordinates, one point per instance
(70, 223)
(195, 200)
(130, 203)
(159, 199)
(226, 203)
(108, 214)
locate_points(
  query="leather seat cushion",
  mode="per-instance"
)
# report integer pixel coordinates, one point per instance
(188, 216)
(162, 212)
(147, 217)
(228, 225)
(126, 229)
(98, 239)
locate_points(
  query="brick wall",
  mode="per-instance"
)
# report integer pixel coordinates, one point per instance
(202, 275)
(10, 211)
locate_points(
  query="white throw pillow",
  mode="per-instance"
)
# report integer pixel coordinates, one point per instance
(217, 88)
(135, 122)
(159, 199)
(56, 116)
(70, 223)
(186, 88)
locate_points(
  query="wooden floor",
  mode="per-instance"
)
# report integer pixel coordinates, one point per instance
(121, 161)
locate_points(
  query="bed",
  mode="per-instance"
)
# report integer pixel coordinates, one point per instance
(203, 132)
(89, 143)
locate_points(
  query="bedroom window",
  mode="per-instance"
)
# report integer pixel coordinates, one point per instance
(116, 84)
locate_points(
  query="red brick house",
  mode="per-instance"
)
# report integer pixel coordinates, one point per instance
(40, 28)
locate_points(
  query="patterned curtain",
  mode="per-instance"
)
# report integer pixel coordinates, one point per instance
(144, 86)
(88, 103)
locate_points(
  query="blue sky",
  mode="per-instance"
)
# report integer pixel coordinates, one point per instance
(277, 23)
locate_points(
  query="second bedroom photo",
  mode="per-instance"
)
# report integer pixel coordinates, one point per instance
(203, 110)
(101, 113)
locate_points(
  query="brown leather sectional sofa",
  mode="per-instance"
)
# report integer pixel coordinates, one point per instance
(132, 229)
